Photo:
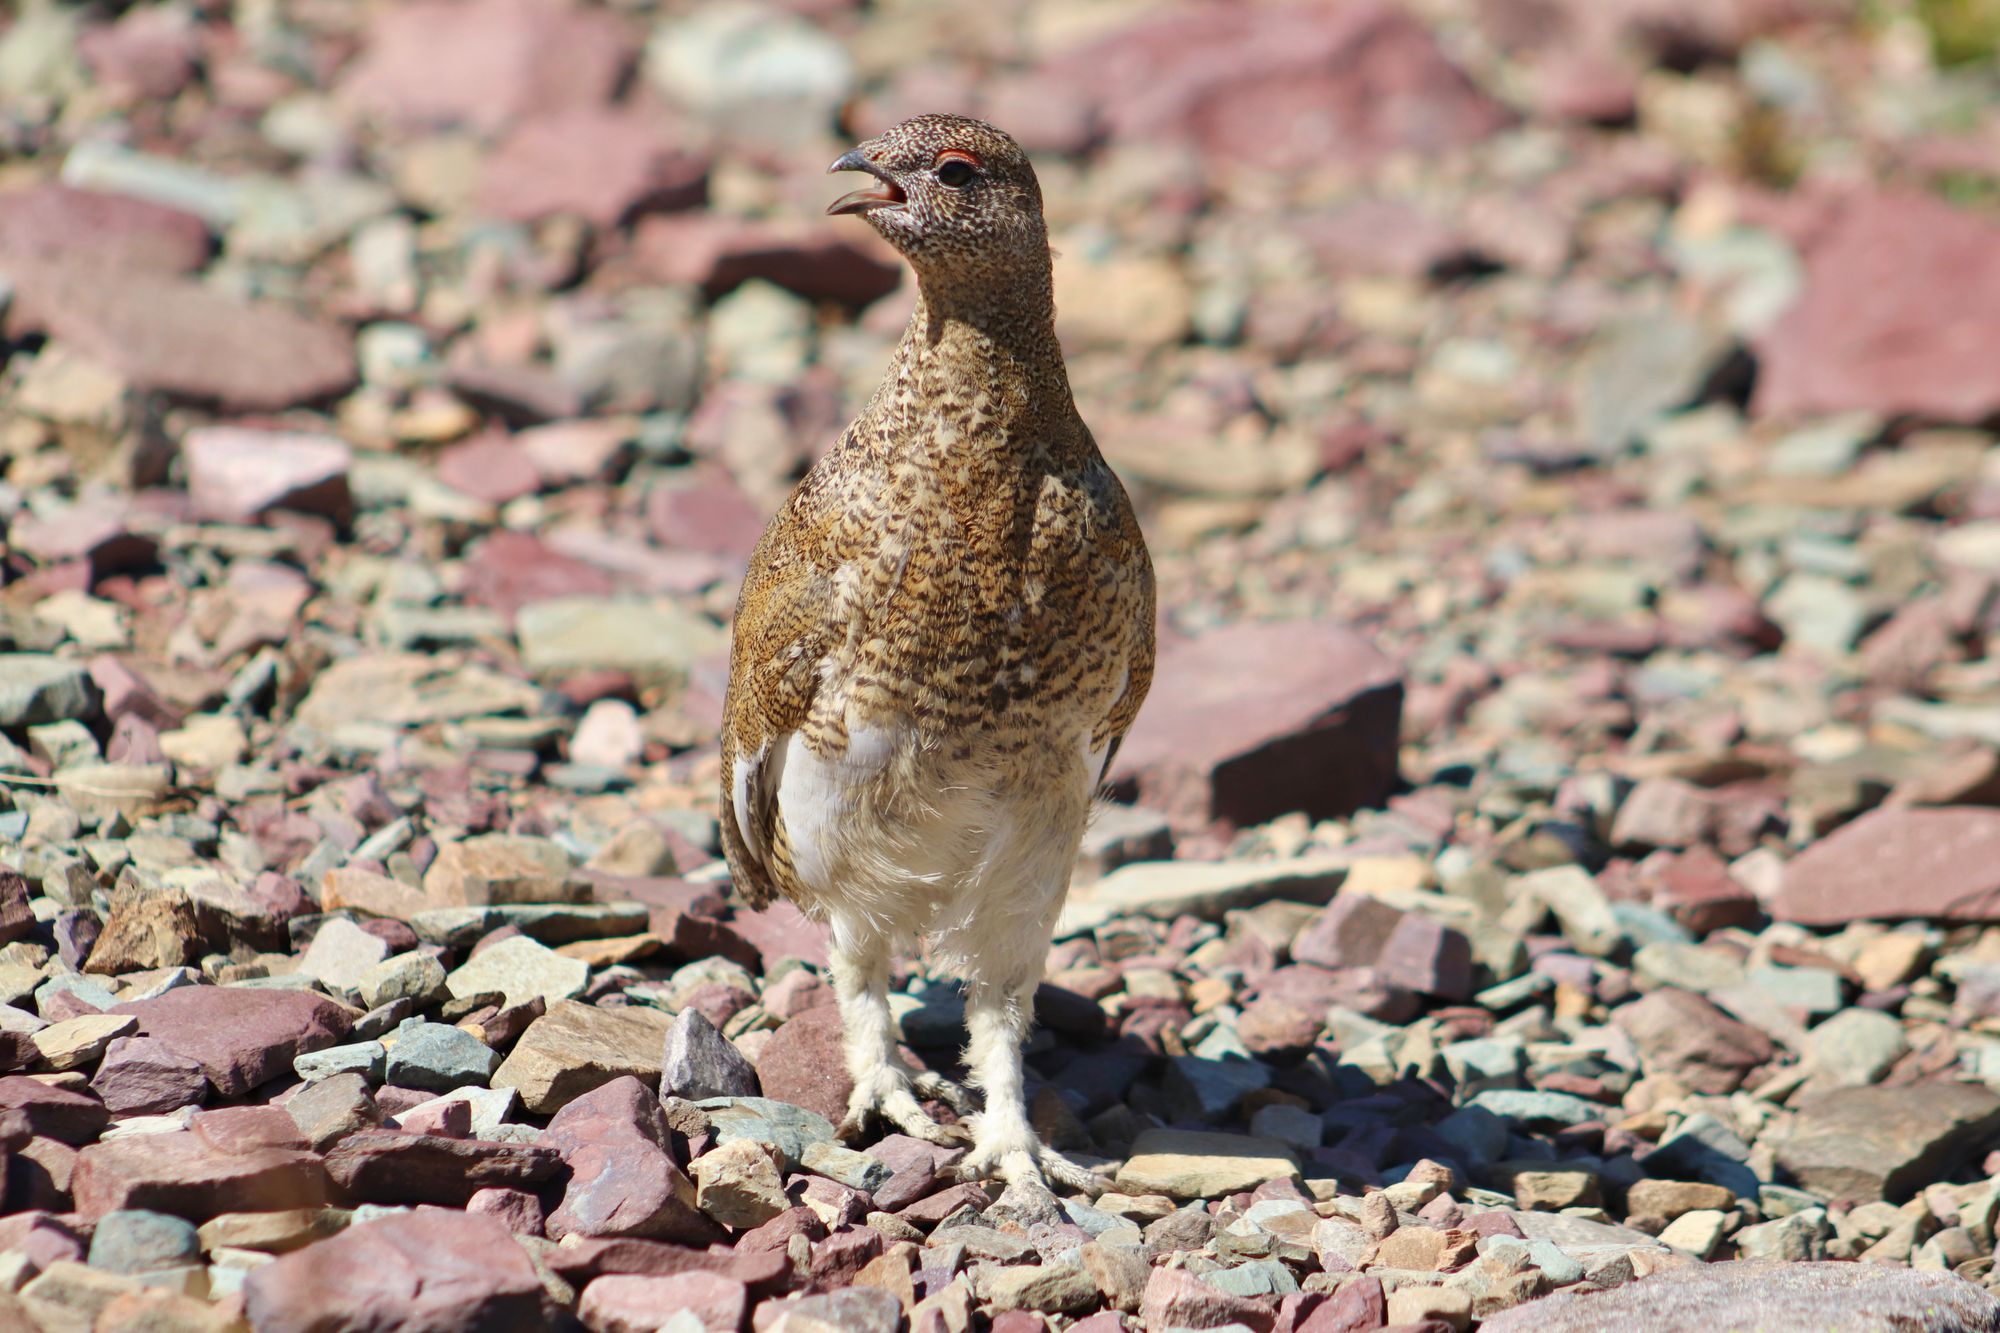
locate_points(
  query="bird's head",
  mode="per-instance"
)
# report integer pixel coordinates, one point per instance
(951, 193)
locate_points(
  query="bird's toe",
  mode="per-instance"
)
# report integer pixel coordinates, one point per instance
(939, 1088)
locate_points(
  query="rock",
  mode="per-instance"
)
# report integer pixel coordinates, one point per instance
(854, 1310)
(1898, 862)
(1856, 341)
(1167, 889)
(142, 1076)
(340, 954)
(1838, 1297)
(1054, 1288)
(1354, 83)
(52, 1112)
(1405, 949)
(1176, 1298)
(803, 1064)
(241, 1129)
(143, 1242)
(80, 1041)
(1669, 1199)
(1191, 1164)
(647, 638)
(388, 1166)
(700, 1062)
(623, 1180)
(739, 1184)
(331, 1109)
(58, 222)
(522, 970)
(179, 1173)
(633, 163)
(439, 1057)
(36, 688)
(1856, 1047)
(185, 338)
(143, 934)
(789, 1129)
(1318, 732)
(1679, 1033)
(762, 73)
(1884, 1143)
(501, 868)
(416, 977)
(273, 1232)
(417, 1273)
(240, 1037)
(576, 1047)
(629, 1304)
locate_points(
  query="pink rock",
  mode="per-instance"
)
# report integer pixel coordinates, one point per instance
(95, 529)
(241, 1129)
(622, 1182)
(126, 692)
(1900, 314)
(51, 221)
(487, 63)
(565, 452)
(517, 1210)
(510, 570)
(717, 254)
(490, 468)
(388, 1166)
(141, 1076)
(51, 1112)
(178, 1173)
(624, 1304)
(1404, 949)
(424, 1270)
(602, 164)
(782, 931)
(237, 473)
(802, 1064)
(1283, 87)
(1678, 1032)
(184, 338)
(240, 1037)
(1313, 727)
(451, 1119)
(710, 514)
(1896, 863)
(148, 53)
(1176, 1298)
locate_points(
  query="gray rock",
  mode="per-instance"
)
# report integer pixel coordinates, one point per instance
(1535, 1108)
(38, 687)
(521, 969)
(1202, 1089)
(439, 1057)
(856, 1170)
(366, 1058)
(416, 977)
(133, 1241)
(1885, 1143)
(1828, 1297)
(790, 1129)
(1856, 1046)
(699, 1062)
(340, 954)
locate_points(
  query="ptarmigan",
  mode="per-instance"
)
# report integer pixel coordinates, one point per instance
(941, 639)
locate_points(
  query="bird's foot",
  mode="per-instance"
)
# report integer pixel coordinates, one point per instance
(892, 1102)
(1022, 1161)
(941, 1089)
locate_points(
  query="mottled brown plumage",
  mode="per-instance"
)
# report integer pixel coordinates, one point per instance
(941, 638)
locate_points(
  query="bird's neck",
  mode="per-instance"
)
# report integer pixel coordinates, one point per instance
(990, 349)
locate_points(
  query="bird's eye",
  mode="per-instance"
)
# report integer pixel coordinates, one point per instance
(955, 172)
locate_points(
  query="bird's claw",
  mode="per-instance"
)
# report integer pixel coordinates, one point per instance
(898, 1108)
(1038, 1165)
(939, 1088)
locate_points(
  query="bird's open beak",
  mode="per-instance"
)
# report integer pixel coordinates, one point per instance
(887, 195)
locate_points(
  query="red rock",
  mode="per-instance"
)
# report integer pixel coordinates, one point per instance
(17, 1051)
(127, 693)
(763, 1272)
(937, 1207)
(1314, 727)
(43, 1238)
(1926, 863)
(241, 1129)
(1900, 313)
(447, 1119)
(1697, 890)
(510, 570)
(602, 164)
(782, 931)
(178, 1173)
(623, 1182)
(1678, 1032)
(96, 529)
(627, 1304)
(53, 1112)
(838, 1259)
(520, 395)
(1360, 1306)
(184, 338)
(1283, 87)
(517, 1210)
(50, 221)
(1018, 1321)
(487, 63)
(1176, 1298)
(490, 468)
(41, 1176)
(711, 514)
(423, 1272)
(717, 254)
(802, 1064)
(237, 474)
(1406, 950)
(387, 1166)
(148, 53)
(240, 1037)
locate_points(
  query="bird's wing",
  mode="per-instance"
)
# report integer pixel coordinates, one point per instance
(1135, 569)
(782, 631)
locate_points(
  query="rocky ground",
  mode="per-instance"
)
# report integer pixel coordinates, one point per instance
(1561, 844)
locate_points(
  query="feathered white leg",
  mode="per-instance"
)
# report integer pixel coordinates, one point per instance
(1004, 1144)
(883, 1083)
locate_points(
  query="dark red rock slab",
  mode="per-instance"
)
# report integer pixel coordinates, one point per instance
(1678, 1032)
(421, 1272)
(51, 221)
(510, 570)
(818, 261)
(53, 1112)
(184, 338)
(764, 1272)
(179, 1173)
(623, 1181)
(1900, 312)
(142, 1076)
(386, 1166)
(241, 1037)
(602, 164)
(1895, 863)
(802, 1064)
(1313, 727)
(1282, 87)
(1404, 950)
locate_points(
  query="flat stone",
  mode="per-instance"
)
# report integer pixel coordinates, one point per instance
(803, 1063)
(1163, 890)
(438, 1057)
(577, 1047)
(77, 1042)
(622, 1177)
(1895, 863)
(366, 1058)
(422, 1270)
(1682, 1034)
(237, 474)
(1838, 1297)
(387, 1166)
(141, 1242)
(1884, 1143)
(628, 1304)
(142, 1076)
(521, 969)
(240, 1037)
(1191, 1164)
(276, 1232)
(502, 868)
(330, 1109)
(52, 1112)
(179, 1173)
(461, 927)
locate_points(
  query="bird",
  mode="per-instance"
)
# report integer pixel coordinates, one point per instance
(941, 638)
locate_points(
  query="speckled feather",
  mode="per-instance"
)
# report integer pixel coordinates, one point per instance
(962, 569)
